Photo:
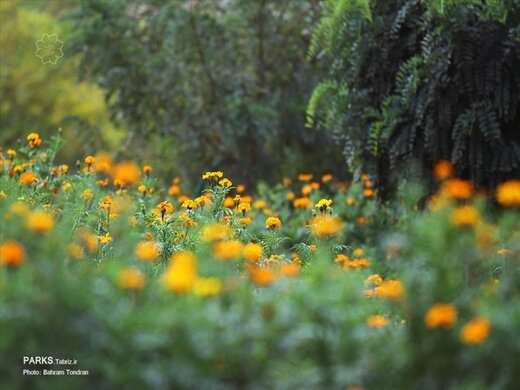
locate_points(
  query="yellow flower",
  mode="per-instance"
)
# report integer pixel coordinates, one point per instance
(105, 238)
(341, 258)
(106, 203)
(34, 140)
(87, 194)
(508, 193)
(147, 169)
(215, 175)
(12, 253)
(207, 287)
(290, 196)
(358, 252)
(66, 186)
(11, 153)
(241, 188)
(163, 209)
(260, 204)
(273, 223)
(229, 202)
(131, 278)
(323, 204)
(244, 207)
(141, 189)
(377, 321)
(28, 178)
(147, 251)
(245, 220)
(324, 226)
(476, 331)
(181, 274)
(189, 204)
(75, 251)
(215, 232)
(373, 280)
(227, 250)
(350, 201)
(225, 182)
(465, 216)
(252, 251)
(441, 315)
(40, 221)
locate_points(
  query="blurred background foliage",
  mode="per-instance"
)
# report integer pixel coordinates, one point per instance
(421, 81)
(209, 84)
(45, 97)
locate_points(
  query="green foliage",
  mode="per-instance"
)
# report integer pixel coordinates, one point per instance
(223, 84)
(45, 96)
(424, 81)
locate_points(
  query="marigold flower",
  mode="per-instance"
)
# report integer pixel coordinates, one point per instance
(147, 251)
(189, 204)
(240, 188)
(229, 202)
(89, 240)
(260, 204)
(225, 182)
(28, 178)
(302, 203)
(389, 289)
(368, 193)
(377, 321)
(89, 161)
(326, 178)
(216, 175)
(11, 153)
(356, 263)
(358, 252)
(12, 253)
(174, 190)
(75, 251)
(475, 331)
(40, 221)
(458, 189)
(350, 201)
(207, 287)
(227, 250)
(273, 223)
(465, 216)
(341, 258)
(441, 315)
(508, 193)
(215, 232)
(290, 270)
(126, 173)
(105, 238)
(324, 226)
(244, 207)
(305, 177)
(131, 278)
(147, 169)
(323, 204)
(261, 276)
(181, 274)
(374, 280)
(164, 208)
(443, 170)
(252, 251)
(34, 140)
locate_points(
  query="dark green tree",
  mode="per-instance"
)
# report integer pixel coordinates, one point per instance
(421, 81)
(217, 84)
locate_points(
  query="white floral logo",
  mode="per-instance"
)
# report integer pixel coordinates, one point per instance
(49, 49)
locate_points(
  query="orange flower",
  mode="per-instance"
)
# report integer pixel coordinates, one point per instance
(181, 274)
(12, 253)
(34, 140)
(458, 189)
(443, 170)
(126, 173)
(261, 276)
(147, 169)
(290, 270)
(273, 223)
(227, 250)
(476, 331)
(324, 226)
(465, 216)
(508, 193)
(326, 178)
(389, 289)
(147, 251)
(252, 252)
(302, 203)
(305, 177)
(377, 321)
(28, 178)
(174, 190)
(131, 278)
(40, 221)
(441, 315)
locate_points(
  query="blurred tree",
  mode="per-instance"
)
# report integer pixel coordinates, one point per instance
(43, 93)
(424, 81)
(220, 84)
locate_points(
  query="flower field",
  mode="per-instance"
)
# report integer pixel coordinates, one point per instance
(312, 283)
